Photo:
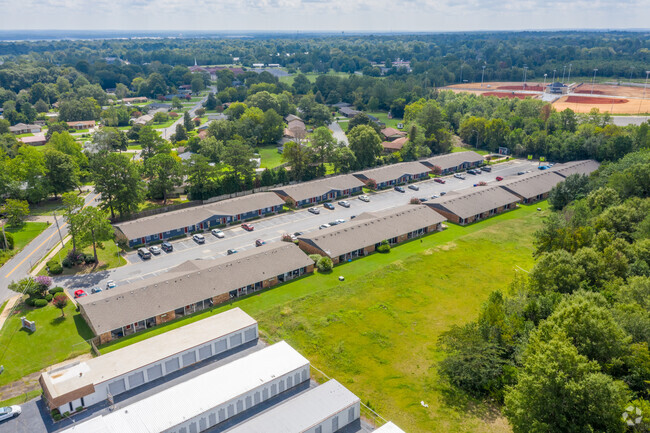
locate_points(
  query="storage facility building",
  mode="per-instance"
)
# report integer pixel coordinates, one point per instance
(85, 383)
(327, 408)
(210, 398)
(180, 222)
(474, 205)
(191, 286)
(452, 162)
(321, 190)
(363, 235)
(394, 174)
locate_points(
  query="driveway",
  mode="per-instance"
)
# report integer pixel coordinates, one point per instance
(338, 133)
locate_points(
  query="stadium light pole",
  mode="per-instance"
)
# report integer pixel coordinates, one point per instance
(482, 75)
(544, 89)
(553, 80)
(593, 80)
(525, 71)
(563, 72)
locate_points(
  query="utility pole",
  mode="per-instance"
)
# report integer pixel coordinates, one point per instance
(544, 89)
(593, 80)
(525, 71)
(569, 77)
(461, 73)
(482, 74)
(563, 71)
(60, 237)
(553, 80)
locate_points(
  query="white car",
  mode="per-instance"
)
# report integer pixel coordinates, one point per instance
(9, 412)
(324, 226)
(314, 210)
(340, 221)
(364, 198)
(218, 233)
(110, 284)
(198, 238)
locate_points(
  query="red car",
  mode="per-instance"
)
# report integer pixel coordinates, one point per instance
(80, 293)
(439, 180)
(499, 178)
(247, 227)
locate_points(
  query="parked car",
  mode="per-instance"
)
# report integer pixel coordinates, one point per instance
(486, 168)
(442, 193)
(521, 172)
(323, 226)
(198, 238)
(340, 221)
(332, 223)
(167, 247)
(144, 253)
(296, 234)
(542, 167)
(218, 233)
(259, 242)
(435, 196)
(352, 217)
(439, 180)
(9, 412)
(80, 293)
(364, 198)
(399, 189)
(247, 227)
(229, 252)
(344, 203)
(414, 187)
(95, 290)
(459, 176)
(499, 178)
(155, 250)
(423, 199)
(472, 171)
(329, 206)
(110, 284)
(314, 210)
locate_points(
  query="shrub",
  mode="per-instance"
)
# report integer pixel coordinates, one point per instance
(30, 301)
(40, 303)
(49, 297)
(67, 263)
(79, 409)
(324, 264)
(415, 200)
(384, 247)
(55, 269)
(43, 281)
(315, 257)
(88, 259)
(286, 238)
(55, 290)
(56, 417)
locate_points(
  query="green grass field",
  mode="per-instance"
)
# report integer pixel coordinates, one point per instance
(55, 340)
(108, 257)
(311, 76)
(383, 117)
(22, 236)
(468, 148)
(270, 157)
(377, 332)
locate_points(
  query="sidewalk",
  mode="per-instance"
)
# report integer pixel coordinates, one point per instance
(10, 304)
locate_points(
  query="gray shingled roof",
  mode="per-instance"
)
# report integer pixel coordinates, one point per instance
(532, 184)
(393, 171)
(190, 282)
(173, 220)
(316, 188)
(453, 159)
(474, 201)
(370, 228)
(586, 166)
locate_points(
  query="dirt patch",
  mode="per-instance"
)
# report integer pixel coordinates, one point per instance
(508, 95)
(592, 101)
(589, 92)
(533, 87)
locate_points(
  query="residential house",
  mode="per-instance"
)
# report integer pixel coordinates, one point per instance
(135, 100)
(361, 236)
(393, 134)
(143, 120)
(23, 128)
(452, 162)
(81, 124)
(320, 190)
(157, 106)
(184, 221)
(348, 112)
(34, 140)
(395, 145)
(394, 174)
(192, 286)
(472, 205)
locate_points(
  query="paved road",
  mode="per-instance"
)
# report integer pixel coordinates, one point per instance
(167, 132)
(338, 133)
(271, 229)
(629, 120)
(19, 265)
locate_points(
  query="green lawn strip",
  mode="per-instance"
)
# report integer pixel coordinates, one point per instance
(134, 147)
(270, 156)
(166, 124)
(55, 340)
(108, 256)
(27, 134)
(22, 398)
(155, 204)
(46, 207)
(383, 117)
(81, 131)
(467, 149)
(22, 236)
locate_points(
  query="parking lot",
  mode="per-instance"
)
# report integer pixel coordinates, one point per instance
(271, 229)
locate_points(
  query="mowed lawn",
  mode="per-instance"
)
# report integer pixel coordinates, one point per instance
(22, 235)
(270, 157)
(377, 331)
(55, 340)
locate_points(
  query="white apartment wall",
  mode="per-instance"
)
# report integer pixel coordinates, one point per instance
(165, 366)
(247, 400)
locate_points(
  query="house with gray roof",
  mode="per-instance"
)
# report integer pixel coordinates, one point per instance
(532, 187)
(23, 128)
(452, 162)
(394, 174)
(475, 204)
(320, 190)
(192, 286)
(180, 222)
(348, 112)
(586, 167)
(361, 236)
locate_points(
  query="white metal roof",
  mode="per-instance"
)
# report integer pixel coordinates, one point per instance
(389, 427)
(78, 375)
(302, 412)
(195, 396)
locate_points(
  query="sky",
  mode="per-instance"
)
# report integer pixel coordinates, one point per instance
(324, 15)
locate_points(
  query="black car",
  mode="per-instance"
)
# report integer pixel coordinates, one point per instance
(166, 246)
(296, 234)
(399, 189)
(423, 199)
(231, 252)
(486, 168)
(472, 171)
